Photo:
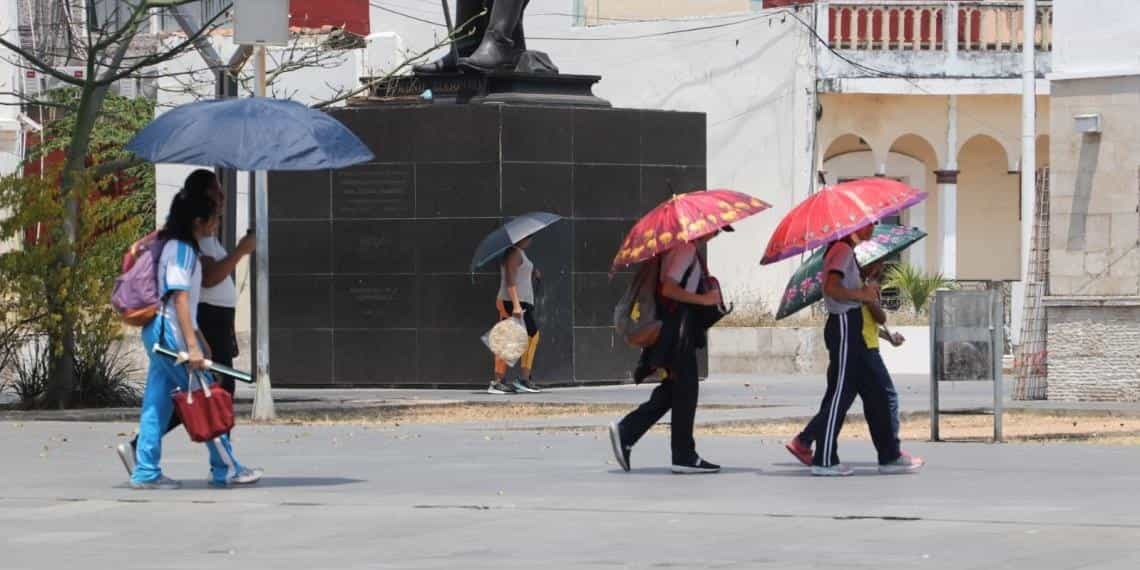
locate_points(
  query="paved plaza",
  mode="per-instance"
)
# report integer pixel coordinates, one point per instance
(506, 494)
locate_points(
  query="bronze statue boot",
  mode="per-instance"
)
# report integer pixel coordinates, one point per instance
(448, 63)
(495, 52)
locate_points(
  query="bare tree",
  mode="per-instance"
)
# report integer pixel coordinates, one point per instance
(104, 42)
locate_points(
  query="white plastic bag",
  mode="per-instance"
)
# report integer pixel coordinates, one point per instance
(507, 340)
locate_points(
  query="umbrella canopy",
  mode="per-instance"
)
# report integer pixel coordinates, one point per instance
(684, 218)
(836, 212)
(254, 133)
(509, 234)
(806, 285)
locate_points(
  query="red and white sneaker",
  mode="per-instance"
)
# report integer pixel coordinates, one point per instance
(906, 463)
(799, 450)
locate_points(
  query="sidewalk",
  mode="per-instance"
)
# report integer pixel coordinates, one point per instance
(754, 398)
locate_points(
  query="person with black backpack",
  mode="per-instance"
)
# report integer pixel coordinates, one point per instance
(684, 293)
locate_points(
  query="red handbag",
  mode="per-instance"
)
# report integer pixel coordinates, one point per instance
(207, 412)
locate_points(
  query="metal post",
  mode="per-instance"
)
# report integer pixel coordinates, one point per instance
(935, 325)
(450, 30)
(997, 337)
(263, 397)
(225, 85)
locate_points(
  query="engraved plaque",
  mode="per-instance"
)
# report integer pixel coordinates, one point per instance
(374, 191)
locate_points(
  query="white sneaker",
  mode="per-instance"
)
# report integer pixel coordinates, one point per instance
(837, 470)
(243, 477)
(127, 456)
(906, 463)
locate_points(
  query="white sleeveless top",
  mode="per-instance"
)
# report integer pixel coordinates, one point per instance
(523, 281)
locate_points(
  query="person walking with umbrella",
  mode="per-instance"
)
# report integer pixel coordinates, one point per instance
(516, 295)
(805, 288)
(215, 314)
(179, 272)
(516, 300)
(840, 216)
(671, 236)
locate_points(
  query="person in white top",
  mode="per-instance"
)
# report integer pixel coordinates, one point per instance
(516, 298)
(219, 293)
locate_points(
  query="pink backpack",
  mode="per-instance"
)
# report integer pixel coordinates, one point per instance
(136, 294)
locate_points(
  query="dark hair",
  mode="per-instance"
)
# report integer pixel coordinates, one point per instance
(191, 203)
(199, 182)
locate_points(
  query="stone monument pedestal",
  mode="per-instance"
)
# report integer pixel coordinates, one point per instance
(550, 89)
(369, 281)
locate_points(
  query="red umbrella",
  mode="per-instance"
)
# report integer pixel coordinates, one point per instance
(683, 218)
(836, 212)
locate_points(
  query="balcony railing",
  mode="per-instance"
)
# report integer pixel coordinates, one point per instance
(900, 25)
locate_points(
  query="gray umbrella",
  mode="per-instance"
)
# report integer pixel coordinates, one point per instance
(509, 234)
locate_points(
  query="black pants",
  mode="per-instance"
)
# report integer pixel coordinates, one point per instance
(678, 393)
(848, 375)
(217, 326)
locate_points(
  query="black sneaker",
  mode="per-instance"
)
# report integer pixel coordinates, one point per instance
(521, 385)
(621, 451)
(698, 466)
(500, 388)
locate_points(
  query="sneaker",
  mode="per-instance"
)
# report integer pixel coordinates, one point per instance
(163, 483)
(799, 450)
(127, 456)
(698, 466)
(906, 463)
(243, 477)
(500, 388)
(521, 385)
(621, 451)
(837, 470)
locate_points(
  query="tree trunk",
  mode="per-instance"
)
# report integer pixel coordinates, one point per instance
(61, 385)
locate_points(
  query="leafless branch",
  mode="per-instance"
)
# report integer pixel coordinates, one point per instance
(455, 36)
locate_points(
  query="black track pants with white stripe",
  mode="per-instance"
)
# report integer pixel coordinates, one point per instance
(848, 376)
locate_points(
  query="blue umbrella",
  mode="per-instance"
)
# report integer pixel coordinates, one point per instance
(254, 133)
(509, 234)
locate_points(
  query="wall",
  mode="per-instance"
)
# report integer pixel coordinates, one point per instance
(371, 282)
(915, 126)
(601, 12)
(801, 350)
(11, 132)
(989, 225)
(749, 76)
(1095, 192)
(1093, 307)
(1095, 37)
(1094, 353)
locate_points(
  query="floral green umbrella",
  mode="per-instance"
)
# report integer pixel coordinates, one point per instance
(806, 285)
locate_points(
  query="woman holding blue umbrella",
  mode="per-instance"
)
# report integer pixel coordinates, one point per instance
(515, 297)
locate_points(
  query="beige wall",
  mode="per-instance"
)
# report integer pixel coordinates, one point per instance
(989, 225)
(987, 149)
(597, 12)
(1095, 191)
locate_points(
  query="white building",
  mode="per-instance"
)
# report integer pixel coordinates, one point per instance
(1093, 301)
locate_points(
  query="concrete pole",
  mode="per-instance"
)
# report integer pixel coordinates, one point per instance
(948, 194)
(1028, 159)
(263, 398)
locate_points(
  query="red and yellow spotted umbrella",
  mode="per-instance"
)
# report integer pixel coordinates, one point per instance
(684, 218)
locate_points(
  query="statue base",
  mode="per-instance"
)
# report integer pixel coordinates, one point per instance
(547, 89)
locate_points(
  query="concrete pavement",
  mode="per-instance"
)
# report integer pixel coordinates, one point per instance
(492, 496)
